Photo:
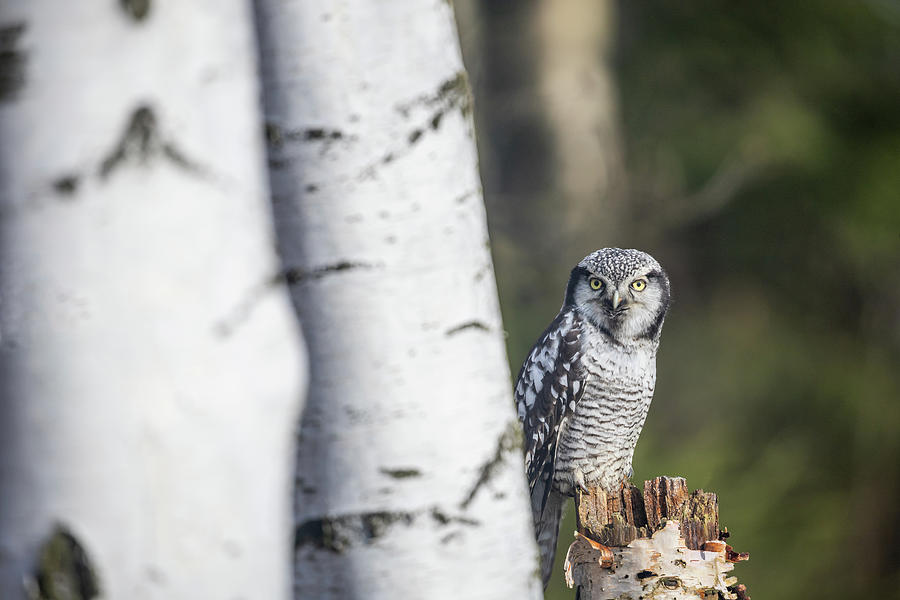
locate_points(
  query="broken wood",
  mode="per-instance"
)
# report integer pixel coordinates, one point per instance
(665, 543)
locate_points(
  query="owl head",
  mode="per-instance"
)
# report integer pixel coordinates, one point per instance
(625, 293)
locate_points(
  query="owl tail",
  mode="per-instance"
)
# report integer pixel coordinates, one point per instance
(546, 529)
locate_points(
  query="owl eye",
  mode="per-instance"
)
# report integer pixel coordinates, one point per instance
(595, 283)
(638, 285)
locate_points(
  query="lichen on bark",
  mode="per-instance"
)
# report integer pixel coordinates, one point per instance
(137, 10)
(64, 571)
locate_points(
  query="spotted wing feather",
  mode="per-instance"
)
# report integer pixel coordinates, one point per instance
(548, 388)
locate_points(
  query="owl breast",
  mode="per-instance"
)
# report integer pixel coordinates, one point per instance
(597, 440)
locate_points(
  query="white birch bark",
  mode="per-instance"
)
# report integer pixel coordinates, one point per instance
(660, 567)
(151, 377)
(410, 480)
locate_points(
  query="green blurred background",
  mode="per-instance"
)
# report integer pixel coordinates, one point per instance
(754, 149)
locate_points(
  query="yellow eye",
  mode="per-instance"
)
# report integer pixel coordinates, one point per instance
(638, 285)
(595, 283)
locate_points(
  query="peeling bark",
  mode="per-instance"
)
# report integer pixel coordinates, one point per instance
(64, 570)
(665, 543)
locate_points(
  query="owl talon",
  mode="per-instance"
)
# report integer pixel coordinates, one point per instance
(579, 482)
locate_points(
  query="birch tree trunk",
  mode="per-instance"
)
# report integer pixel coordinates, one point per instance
(150, 369)
(410, 479)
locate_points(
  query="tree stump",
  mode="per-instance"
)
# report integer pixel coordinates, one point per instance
(665, 542)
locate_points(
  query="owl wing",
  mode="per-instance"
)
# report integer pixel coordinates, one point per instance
(547, 390)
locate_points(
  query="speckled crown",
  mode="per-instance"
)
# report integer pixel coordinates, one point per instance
(618, 263)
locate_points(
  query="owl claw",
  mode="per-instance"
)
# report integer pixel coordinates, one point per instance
(579, 481)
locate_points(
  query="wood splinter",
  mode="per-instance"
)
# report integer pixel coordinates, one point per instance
(664, 542)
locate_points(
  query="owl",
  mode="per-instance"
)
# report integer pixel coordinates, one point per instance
(583, 392)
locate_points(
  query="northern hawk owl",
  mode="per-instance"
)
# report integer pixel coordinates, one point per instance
(585, 388)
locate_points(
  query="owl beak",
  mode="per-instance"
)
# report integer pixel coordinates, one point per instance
(616, 300)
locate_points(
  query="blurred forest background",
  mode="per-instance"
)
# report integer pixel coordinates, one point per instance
(754, 149)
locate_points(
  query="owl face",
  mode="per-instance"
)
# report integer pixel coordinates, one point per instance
(625, 293)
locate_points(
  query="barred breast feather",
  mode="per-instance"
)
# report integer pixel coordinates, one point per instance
(598, 442)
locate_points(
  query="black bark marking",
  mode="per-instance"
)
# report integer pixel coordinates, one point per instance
(321, 134)
(304, 486)
(510, 441)
(401, 473)
(645, 574)
(278, 163)
(226, 326)
(179, 159)
(461, 199)
(340, 533)
(136, 9)
(141, 141)
(278, 137)
(452, 94)
(450, 537)
(468, 325)
(66, 185)
(294, 276)
(455, 92)
(441, 518)
(12, 62)
(670, 583)
(480, 273)
(274, 135)
(64, 570)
